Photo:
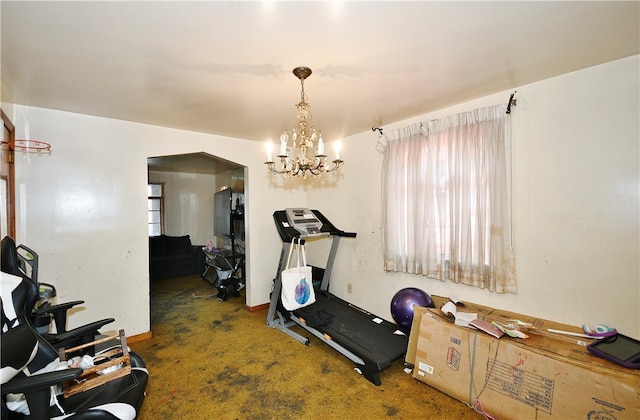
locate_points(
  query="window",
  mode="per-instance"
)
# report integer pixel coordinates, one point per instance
(447, 200)
(155, 208)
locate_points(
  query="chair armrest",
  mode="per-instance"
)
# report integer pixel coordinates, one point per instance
(36, 389)
(198, 252)
(59, 312)
(26, 384)
(85, 330)
(60, 306)
(196, 249)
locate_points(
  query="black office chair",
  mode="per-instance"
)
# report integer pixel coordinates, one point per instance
(23, 262)
(26, 377)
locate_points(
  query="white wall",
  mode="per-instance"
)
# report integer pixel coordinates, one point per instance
(83, 208)
(188, 204)
(576, 191)
(576, 188)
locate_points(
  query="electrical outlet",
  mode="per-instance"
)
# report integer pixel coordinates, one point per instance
(348, 287)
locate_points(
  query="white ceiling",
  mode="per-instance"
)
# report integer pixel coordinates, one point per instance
(225, 67)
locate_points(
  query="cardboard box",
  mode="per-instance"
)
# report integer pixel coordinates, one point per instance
(547, 376)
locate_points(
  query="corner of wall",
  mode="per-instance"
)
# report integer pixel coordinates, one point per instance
(6, 99)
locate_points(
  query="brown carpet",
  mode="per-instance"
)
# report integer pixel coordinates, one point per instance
(210, 359)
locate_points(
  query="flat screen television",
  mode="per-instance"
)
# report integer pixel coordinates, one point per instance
(222, 213)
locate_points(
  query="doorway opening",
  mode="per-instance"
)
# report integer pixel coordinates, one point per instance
(187, 206)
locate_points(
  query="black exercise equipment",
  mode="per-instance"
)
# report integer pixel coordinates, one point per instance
(228, 267)
(364, 338)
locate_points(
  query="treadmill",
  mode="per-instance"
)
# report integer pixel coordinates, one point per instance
(364, 338)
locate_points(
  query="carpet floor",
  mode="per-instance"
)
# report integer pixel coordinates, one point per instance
(211, 359)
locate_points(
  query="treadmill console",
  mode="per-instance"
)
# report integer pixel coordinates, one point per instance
(304, 221)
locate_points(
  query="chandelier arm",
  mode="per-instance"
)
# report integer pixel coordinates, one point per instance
(273, 169)
(335, 167)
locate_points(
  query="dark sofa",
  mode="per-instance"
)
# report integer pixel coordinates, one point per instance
(174, 256)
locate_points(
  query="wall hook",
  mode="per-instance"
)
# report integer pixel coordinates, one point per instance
(512, 102)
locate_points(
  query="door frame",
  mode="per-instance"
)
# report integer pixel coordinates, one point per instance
(7, 177)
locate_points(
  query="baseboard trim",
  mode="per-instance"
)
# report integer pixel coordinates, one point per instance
(256, 308)
(139, 337)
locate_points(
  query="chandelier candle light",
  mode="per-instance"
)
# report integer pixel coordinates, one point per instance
(294, 160)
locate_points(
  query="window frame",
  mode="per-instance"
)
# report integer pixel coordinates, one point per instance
(159, 199)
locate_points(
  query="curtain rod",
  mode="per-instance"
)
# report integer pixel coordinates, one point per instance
(512, 102)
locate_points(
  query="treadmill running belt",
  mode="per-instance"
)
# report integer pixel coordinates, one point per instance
(356, 330)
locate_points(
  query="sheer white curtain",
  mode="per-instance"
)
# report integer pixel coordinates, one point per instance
(446, 190)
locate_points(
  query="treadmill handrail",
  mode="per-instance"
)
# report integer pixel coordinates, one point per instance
(287, 233)
(313, 235)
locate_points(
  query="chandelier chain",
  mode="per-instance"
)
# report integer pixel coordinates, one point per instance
(303, 97)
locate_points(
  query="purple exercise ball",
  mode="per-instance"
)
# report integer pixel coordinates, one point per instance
(402, 305)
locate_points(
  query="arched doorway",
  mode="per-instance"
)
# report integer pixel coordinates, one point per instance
(189, 184)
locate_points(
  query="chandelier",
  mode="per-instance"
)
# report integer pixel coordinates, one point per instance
(302, 148)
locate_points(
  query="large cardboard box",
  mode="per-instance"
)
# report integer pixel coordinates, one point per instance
(546, 376)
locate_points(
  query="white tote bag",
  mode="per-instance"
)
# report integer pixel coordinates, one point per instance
(297, 285)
